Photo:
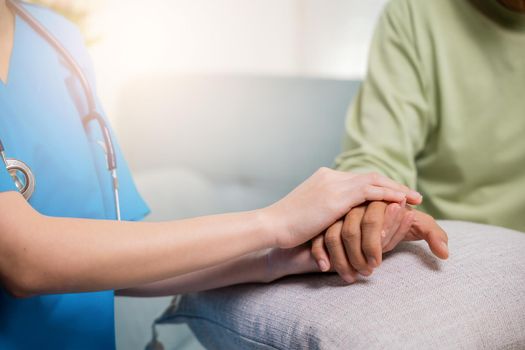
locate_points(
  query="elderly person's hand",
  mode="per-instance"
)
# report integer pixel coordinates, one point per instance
(356, 243)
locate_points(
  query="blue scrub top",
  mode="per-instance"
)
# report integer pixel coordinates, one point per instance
(40, 123)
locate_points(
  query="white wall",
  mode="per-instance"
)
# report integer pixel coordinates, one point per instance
(327, 38)
(334, 36)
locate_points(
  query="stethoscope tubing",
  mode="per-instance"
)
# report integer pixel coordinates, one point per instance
(92, 115)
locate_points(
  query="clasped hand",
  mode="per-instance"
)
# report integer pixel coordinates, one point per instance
(361, 216)
(355, 244)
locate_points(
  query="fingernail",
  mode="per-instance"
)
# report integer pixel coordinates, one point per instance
(444, 245)
(415, 194)
(372, 262)
(323, 265)
(349, 278)
(365, 273)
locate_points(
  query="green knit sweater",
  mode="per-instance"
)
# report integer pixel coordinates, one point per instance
(442, 108)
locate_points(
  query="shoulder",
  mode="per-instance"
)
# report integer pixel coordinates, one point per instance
(419, 20)
(419, 7)
(422, 10)
(66, 32)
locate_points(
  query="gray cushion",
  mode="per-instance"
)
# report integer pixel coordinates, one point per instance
(475, 300)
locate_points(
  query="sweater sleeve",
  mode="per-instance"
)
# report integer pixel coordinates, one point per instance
(389, 121)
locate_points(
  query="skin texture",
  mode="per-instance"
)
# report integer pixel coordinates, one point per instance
(40, 254)
(355, 244)
(260, 267)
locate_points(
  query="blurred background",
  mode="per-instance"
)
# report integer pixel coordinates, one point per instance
(321, 38)
(220, 105)
(315, 38)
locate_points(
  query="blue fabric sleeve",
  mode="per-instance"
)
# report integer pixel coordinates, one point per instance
(6, 182)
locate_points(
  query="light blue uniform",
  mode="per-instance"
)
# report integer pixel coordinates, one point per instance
(40, 108)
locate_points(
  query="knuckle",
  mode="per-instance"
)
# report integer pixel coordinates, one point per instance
(349, 235)
(370, 249)
(332, 241)
(325, 175)
(370, 190)
(371, 220)
(374, 176)
(354, 215)
(323, 170)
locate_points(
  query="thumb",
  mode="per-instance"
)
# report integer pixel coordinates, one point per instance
(319, 253)
(425, 227)
(437, 240)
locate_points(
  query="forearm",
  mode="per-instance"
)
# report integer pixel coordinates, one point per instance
(41, 254)
(57, 255)
(250, 268)
(260, 267)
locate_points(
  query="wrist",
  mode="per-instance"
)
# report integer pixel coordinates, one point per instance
(268, 227)
(273, 267)
(262, 267)
(285, 262)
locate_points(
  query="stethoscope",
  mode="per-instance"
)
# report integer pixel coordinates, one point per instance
(26, 182)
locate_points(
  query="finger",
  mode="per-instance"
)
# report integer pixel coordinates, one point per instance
(351, 234)
(319, 253)
(401, 232)
(336, 251)
(413, 197)
(377, 193)
(301, 260)
(399, 213)
(437, 240)
(392, 220)
(425, 227)
(389, 217)
(371, 228)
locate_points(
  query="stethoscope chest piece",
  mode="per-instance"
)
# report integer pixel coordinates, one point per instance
(19, 171)
(22, 176)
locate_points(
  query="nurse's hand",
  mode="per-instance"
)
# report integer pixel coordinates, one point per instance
(326, 197)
